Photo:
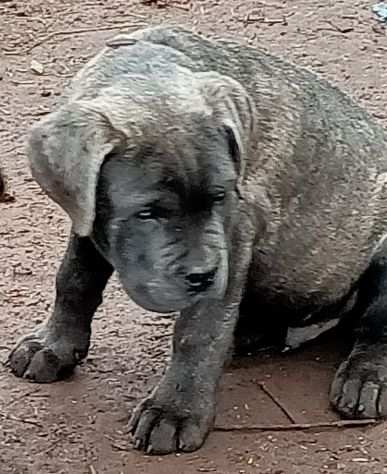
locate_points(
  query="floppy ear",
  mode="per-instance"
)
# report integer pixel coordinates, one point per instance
(66, 150)
(233, 110)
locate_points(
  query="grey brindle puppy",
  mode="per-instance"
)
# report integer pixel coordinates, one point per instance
(214, 178)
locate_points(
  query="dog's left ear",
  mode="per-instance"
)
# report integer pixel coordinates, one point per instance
(233, 110)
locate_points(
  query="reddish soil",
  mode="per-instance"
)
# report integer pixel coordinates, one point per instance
(79, 426)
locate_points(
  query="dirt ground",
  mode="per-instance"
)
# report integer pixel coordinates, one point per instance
(79, 426)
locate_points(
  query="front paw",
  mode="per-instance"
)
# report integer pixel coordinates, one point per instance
(359, 389)
(47, 355)
(167, 422)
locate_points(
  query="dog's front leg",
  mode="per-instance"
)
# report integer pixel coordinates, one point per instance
(56, 346)
(180, 412)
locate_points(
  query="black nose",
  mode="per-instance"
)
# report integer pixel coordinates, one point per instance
(199, 282)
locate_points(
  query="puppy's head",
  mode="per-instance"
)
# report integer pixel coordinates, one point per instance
(150, 173)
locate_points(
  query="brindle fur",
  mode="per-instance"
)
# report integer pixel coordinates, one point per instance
(166, 115)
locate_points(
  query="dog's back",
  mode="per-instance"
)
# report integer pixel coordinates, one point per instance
(316, 170)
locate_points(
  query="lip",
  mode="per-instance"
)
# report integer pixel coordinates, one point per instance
(149, 297)
(150, 304)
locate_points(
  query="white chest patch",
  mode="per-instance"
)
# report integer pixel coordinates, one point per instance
(296, 337)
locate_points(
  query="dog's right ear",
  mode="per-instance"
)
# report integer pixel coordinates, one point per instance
(66, 150)
(233, 110)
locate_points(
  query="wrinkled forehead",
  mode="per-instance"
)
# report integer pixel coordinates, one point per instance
(184, 163)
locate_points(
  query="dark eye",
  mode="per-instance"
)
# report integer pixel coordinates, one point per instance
(152, 213)
(219, 197)
(147, 214)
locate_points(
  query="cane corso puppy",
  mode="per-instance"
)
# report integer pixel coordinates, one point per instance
(217, 181)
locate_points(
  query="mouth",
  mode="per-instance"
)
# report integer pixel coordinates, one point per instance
(155, 302)
(165, 296)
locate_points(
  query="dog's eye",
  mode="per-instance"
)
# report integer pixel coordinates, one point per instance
(151, 213)
(219, 197)
(147, 214)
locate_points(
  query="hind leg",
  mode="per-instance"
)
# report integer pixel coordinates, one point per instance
(359, 389)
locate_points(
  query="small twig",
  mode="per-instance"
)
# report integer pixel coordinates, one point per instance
(157, 3)
(270, 4)
(115, 445)
(82, 31)
(92, 469)
(12, 149)
(22, 83)
(340, 29)
(22, 420)
(298, 426)
(250, 18)
(156, 324)
(52, 446)
(136, 15)
(278, 402)
(23, 395)
(40, 112)
(119, 447)
(253, 19)
(274, 21)
(158, 337)
(185, 8)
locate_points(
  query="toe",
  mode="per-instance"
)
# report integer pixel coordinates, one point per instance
(163, 438)
(382, 402)
(143, 429)
(336, 389)
(135, 418)
(368, 401)
(19, 359)
(191, 437)
(348, 402)
(44, 367)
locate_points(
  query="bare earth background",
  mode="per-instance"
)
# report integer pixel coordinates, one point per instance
(79, 426)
